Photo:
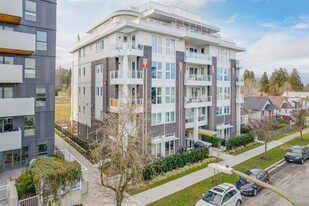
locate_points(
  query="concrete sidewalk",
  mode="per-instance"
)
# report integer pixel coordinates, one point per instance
(169, 188)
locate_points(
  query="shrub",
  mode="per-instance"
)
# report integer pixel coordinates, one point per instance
(24, 185)
(214, 141)
(56, 93)
(174, 161)
(283, 125)
(244, 129)
(239, 141)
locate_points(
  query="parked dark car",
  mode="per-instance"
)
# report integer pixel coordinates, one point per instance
(247, 187)
(198, 145)
(297, 153)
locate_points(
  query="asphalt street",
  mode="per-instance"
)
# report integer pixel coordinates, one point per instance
(293, 179)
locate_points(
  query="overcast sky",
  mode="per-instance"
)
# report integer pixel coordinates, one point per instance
(275, 33)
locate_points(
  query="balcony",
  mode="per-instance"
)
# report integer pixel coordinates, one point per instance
(129, 49)
(239, 99)
(116, 104)
(17, 42)
(11, 11)
(11, 73)
(240, 63)
(198, 80)
(10, 140)
(198, 58)
(199, 101)
(202, 121)
(129, 77)
(239, 81)
(12, 107)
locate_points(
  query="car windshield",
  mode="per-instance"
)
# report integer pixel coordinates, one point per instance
(212, 198)
(295, 150)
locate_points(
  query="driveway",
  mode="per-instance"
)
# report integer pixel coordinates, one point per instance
(292, 178)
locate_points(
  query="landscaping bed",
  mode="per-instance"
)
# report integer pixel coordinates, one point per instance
(190, 195)
(244, 148)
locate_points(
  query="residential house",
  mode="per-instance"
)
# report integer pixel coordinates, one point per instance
(284, 106)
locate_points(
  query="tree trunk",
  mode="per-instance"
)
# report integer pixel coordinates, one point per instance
(119, 198)
(265, 155)
(301, 135)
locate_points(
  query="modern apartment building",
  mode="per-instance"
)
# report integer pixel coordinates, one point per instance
(27, 80)
(165, 55)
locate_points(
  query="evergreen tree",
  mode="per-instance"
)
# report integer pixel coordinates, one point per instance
(295, 81)
(248, 74)
(264, 81)
(68, 80)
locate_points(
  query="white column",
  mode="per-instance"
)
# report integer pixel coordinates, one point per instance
(125, 70)
(195, 124)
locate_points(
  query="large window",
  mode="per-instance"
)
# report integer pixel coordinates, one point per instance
(170, 46)
(156, 70)
(99, 68)
(169, 148)
(169, 117)
(41, 40)
(30, 10)
(170, 71)
(6, 27)
(100, 45)
(219, 93)
(156, 118)
(42, 149)
(6, 60)
(226, 75)
(219, 74)
(226, 109)
(40, 96)
(169, 95)
(29, 68)
(219, 111)
(156, 45)
(29, 127)
(226, 93)
(6, 92)
(156, 95)
(6, 124)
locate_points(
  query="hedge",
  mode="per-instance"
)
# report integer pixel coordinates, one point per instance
(214, 141)
(244, 129)
(239, 141)
(174, 161)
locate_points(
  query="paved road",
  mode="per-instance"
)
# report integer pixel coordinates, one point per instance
(293, 179)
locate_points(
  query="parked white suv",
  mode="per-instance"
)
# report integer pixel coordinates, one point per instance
(224, 194)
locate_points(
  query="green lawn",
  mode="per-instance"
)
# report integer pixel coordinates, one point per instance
(171, 178)
(283, 135)
(247, 149)
(190, 195)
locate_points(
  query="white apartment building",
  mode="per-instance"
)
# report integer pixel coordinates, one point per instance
(163, 54)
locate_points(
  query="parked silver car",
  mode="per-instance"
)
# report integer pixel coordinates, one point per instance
(224, 194)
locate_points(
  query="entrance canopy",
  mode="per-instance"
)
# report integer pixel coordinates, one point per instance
(204, 132)
(224, 126)
(163, 139)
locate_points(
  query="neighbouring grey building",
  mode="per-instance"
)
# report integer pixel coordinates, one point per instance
(162, 54)
(27, 80)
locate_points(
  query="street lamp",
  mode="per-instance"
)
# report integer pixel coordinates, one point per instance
(229, 170)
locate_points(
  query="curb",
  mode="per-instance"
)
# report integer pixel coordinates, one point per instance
(276, 167)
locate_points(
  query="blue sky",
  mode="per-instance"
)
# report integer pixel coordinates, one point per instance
(275, 33)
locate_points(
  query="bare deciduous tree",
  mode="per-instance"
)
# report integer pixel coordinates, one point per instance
(61, 77)
(299, 119)
(125, 150)
(264, 135)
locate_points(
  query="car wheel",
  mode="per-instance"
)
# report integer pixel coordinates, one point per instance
(302, 161)
(254, 192)
(238, 203)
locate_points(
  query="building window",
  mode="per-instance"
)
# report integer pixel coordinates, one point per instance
(219, 111)
(79, 72)
(79, 53)
(219, 93)
(30, 10)
(78, 108)
(6, 27)
(29, 68)
(100, 45)
(156, 44)
(226, 109)
(169, 117)
(78, 90)
(42, 149)
(6, 92)
(99, 68)
(84, 51)
(40, 96)
(29, 126)
(156, 70)
(156, 95)
(84, 90)
(101, 91)
(226, 93)
(156, 118)
(84, 71)
(97, 91)
(226, 75)
(169, 148)
(24, 155)
(84, 109)
(170, 46)
(6, 124)
(6, 60)
(170, 71)
(41, 40)
(169, 95)
(219, 74)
